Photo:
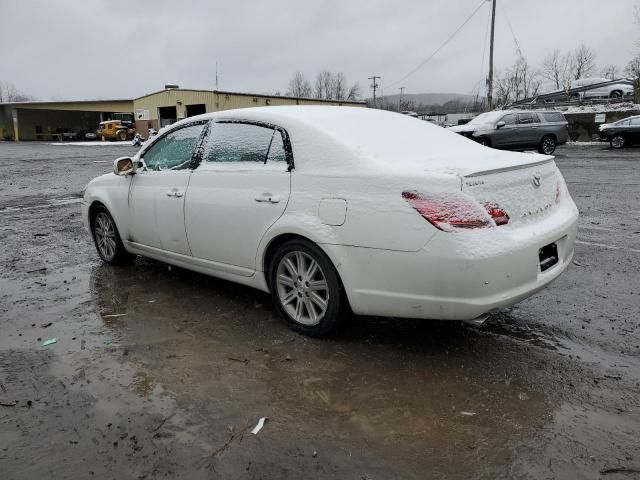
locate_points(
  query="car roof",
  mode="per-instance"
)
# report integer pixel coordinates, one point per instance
(365, 140)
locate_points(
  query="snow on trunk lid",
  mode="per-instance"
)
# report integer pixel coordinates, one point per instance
(526, 193)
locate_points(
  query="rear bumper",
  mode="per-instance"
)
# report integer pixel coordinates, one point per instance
(459, 276)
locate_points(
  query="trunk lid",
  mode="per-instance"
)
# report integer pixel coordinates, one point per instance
(525, 192)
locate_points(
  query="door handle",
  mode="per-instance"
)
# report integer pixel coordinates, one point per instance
(175, 193)
(267, 198)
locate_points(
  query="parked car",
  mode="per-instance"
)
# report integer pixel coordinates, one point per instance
(622, 133)
(517, 129)
(616, 90)
(66, 133)
(334, 209)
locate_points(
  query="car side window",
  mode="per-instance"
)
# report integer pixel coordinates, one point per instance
(241, 142)
(554, 117)
(527, 118)
(509, 119)
(635, 121)
(174, 151)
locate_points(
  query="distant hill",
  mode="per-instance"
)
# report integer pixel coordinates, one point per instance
(430, 98)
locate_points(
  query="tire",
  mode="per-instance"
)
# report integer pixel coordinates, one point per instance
(484, 141)
(617, 141)
(547, 145)
(122, 136)
(107, 238)
(615, 94)
(311, 303)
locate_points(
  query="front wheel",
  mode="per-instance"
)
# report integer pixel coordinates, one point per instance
(107, 238)
(547, 145)
(617, 141)
(615, 94)
(122, 136)
(305, 288)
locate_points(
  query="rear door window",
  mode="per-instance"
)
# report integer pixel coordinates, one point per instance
(244, 142)
(527, 118)
(635, 122)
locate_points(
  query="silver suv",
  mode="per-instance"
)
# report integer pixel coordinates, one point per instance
(518, 129)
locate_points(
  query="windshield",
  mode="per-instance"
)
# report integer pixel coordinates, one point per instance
(487, 118)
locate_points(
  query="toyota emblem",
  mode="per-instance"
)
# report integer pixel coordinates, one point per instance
(537, 180)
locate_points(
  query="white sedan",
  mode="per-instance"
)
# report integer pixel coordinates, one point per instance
(334, 209)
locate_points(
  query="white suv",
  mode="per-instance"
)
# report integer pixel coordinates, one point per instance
(616, 90)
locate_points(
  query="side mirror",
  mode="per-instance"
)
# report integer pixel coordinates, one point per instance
(123, 166)
(500, 124)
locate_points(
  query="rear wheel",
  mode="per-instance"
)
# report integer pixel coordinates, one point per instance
(615, 94)
(106, 237)
(547, 145)
(617, 141)
(122, 136)
(305, 288)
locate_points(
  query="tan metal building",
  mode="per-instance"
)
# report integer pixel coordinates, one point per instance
(52, 120)
(162, 108)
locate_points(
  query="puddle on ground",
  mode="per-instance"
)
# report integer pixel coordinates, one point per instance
(410, 394)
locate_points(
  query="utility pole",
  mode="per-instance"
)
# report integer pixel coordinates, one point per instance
(374, 85)
(402, 89)
(490, 79)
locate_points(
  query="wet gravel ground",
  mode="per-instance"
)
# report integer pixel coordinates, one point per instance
(162, 373)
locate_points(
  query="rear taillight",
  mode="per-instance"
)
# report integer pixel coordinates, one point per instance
(497, 214)
(449, 211)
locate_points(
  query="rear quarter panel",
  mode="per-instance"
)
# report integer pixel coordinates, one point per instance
(376, 214)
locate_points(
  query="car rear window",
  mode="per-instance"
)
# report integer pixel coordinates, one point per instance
(554, 117)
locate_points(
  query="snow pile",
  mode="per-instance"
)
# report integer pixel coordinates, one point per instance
(601, 108)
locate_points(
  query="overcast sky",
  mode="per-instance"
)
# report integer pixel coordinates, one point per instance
(79, 49)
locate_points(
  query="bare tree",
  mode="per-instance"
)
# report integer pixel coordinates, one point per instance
(583, 61)
(299, 86)
(633, 70)
(611, 72)
(516, 83)
(10, 93)
(323, 85)
(633, 67)
(354, 92)
(334, 86)
(556, 67)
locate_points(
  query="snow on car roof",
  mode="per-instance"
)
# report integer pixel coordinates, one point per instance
(367, 139)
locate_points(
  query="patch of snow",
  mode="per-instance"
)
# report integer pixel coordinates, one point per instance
(601, 108)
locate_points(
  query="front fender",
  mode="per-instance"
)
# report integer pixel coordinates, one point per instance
(112, 191)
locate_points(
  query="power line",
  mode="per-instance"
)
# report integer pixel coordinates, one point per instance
(423, 63)
(515, 39)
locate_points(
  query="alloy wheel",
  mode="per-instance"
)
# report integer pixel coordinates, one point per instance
(548, 146)
(617, 141)
(302, 288)
(105, 234)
